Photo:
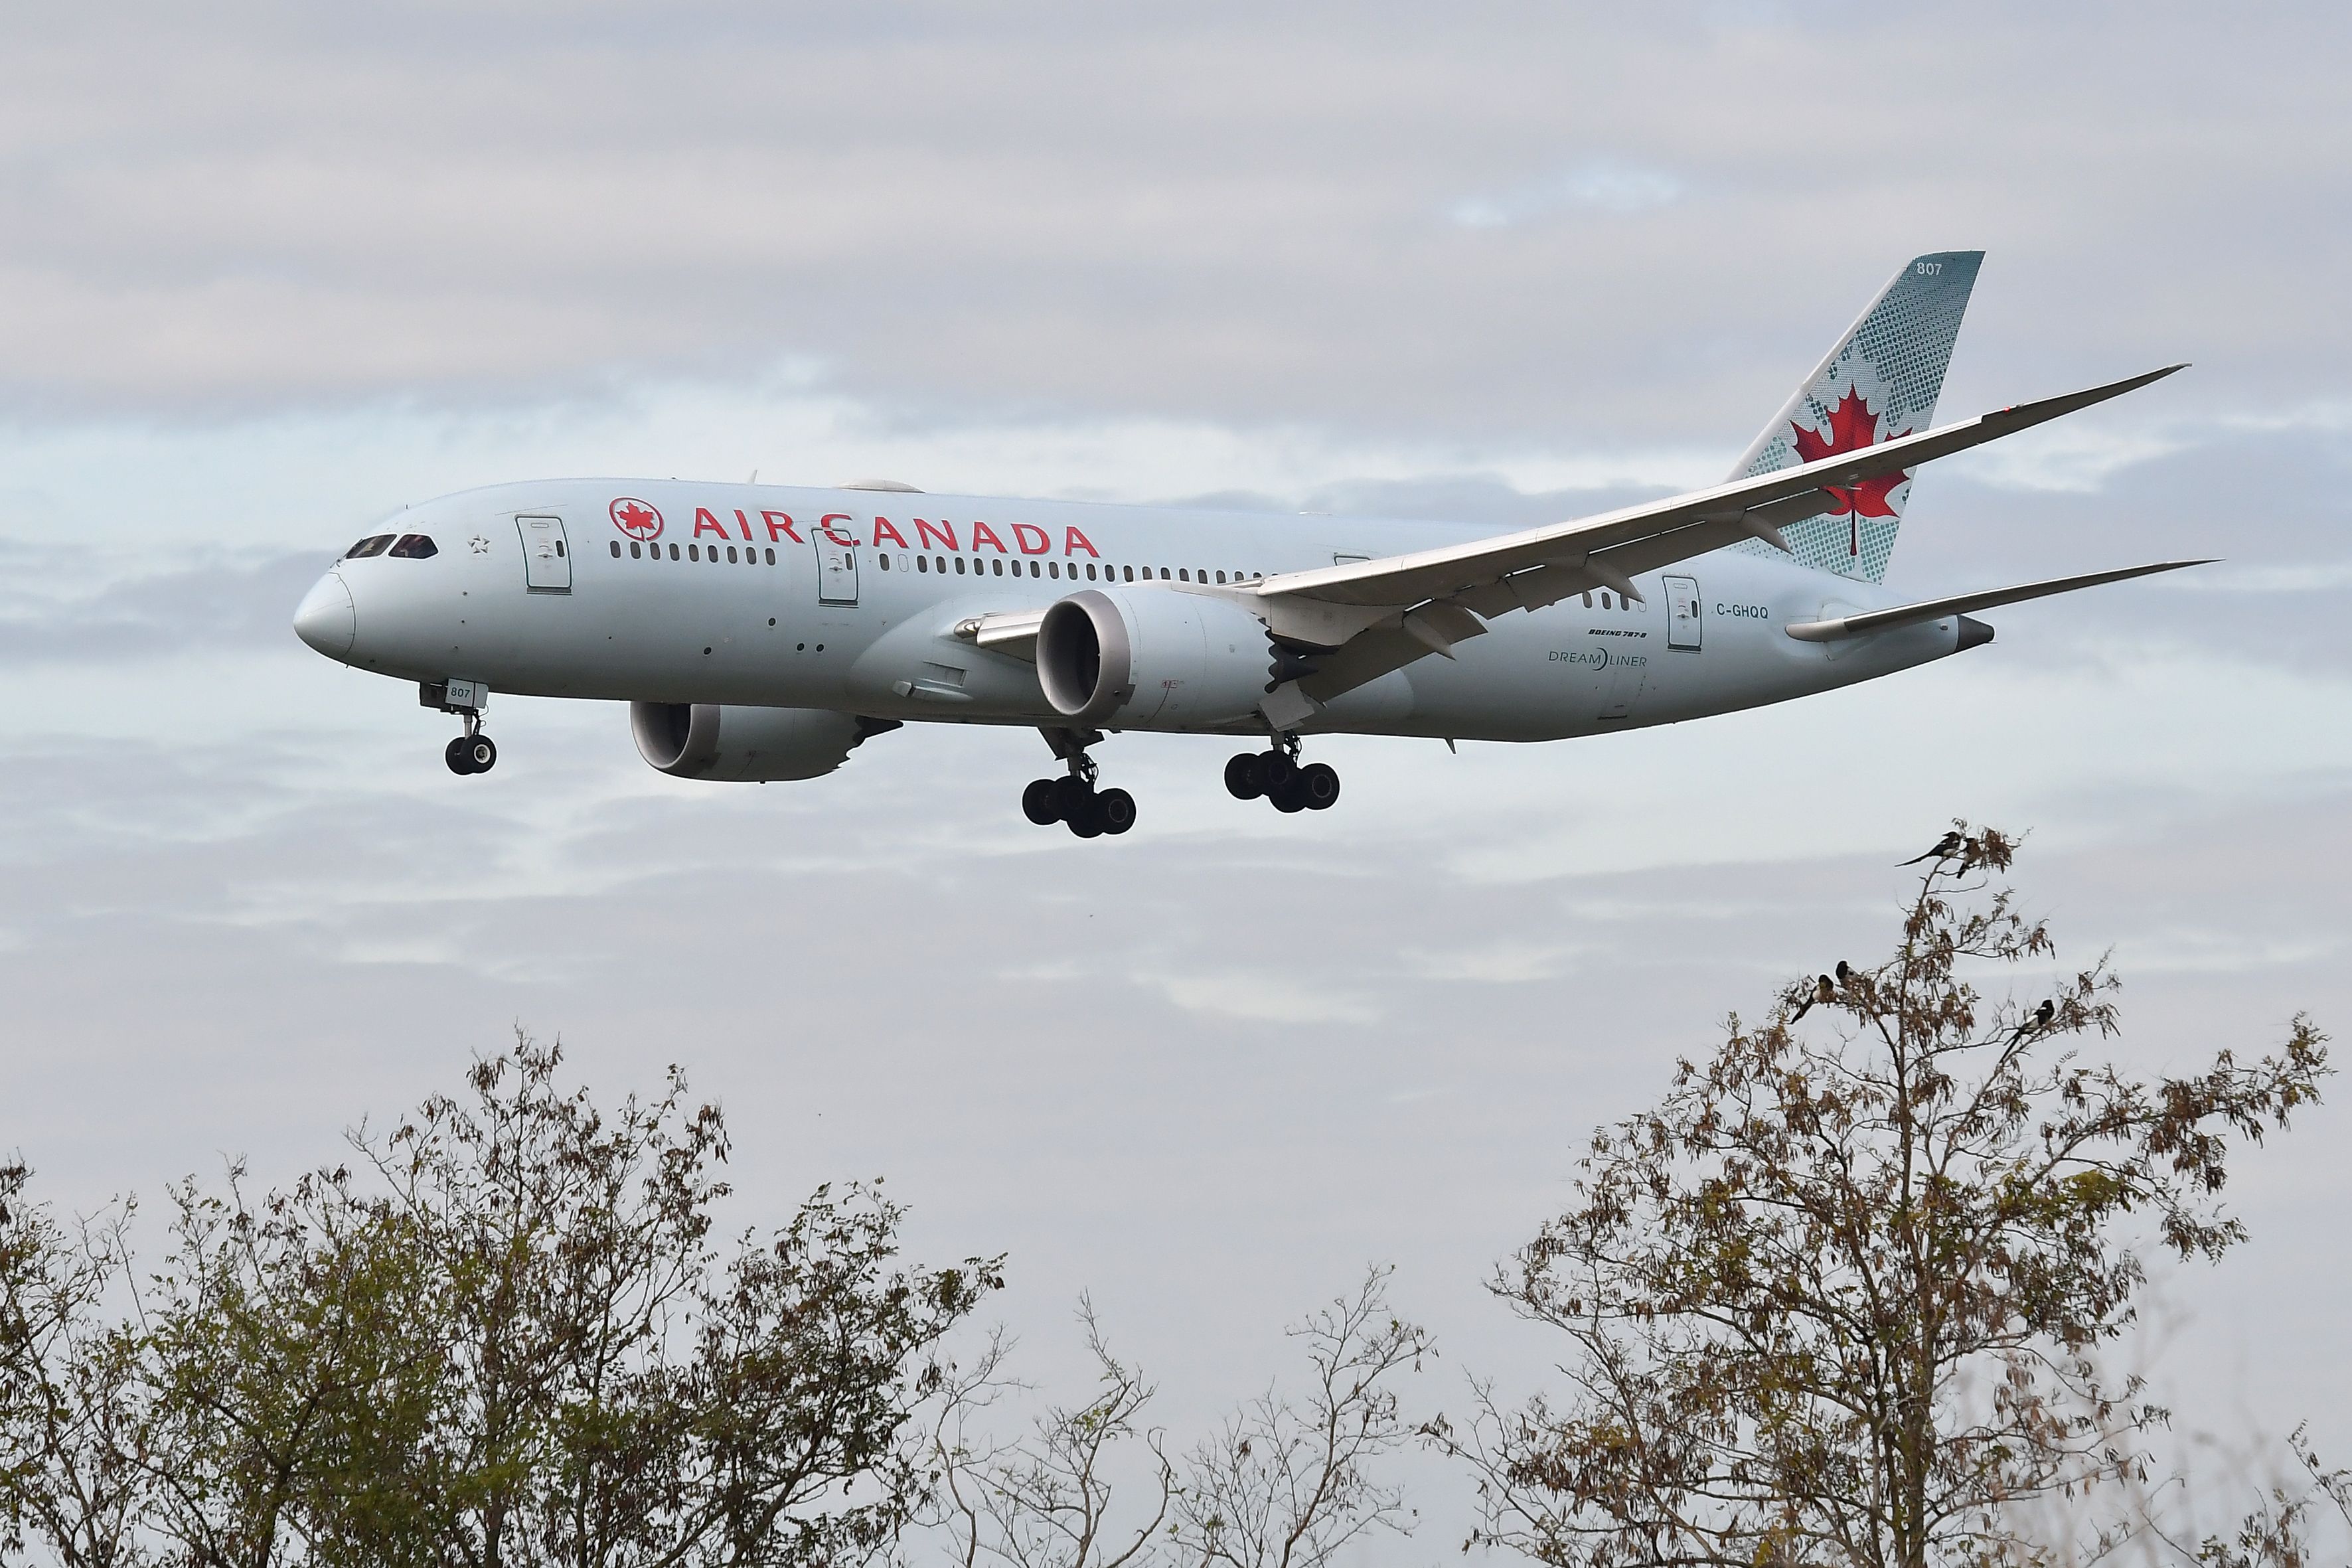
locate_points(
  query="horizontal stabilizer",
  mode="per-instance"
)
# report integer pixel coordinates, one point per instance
(1962, 603)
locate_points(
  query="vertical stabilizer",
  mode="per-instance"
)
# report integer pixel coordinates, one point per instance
(1879, 382)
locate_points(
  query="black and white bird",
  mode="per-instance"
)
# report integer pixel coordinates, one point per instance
(1950, 845)
(1823, 992)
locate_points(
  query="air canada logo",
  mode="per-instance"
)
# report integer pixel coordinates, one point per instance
(1850, 427)
(637, 519)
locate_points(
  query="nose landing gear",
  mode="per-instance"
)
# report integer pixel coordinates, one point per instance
(1073, 799)
(473, 752)
(1276, 776)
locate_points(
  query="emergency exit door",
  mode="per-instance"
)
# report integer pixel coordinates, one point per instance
(546, 556)
(836, 567)
(1683, 623)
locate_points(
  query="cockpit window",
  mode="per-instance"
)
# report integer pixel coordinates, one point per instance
(372, 545)
(415, 547)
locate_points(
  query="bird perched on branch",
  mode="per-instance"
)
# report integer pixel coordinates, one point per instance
(1823, 992)
(1950, 845)
(2038, 1019)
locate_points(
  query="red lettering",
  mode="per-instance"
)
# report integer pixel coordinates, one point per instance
(945, 532)
(779, 526)
(1076, 542)
(1022, 533)
(885, 529)
(980, 530)
(744, 523)
(838, 536)
(704, 522)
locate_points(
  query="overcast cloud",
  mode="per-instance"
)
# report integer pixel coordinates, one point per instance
(270, 271)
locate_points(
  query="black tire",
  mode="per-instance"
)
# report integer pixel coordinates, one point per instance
(1115, 809)
(482, 752)
(459, 762)
(1086, 822)
(1319, 783)
(1242, 777)
(1275, 769)
(1072, 799)
(1037, 803)
(1290, 797)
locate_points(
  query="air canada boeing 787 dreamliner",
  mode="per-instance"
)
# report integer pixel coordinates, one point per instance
(764, 632)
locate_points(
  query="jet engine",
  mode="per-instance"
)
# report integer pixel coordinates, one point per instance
(1153, 658)
(706, 740)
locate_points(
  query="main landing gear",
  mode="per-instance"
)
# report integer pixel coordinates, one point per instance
(1073, 799)
(1274, 775)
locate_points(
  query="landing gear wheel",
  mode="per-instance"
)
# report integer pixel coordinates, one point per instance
(1290, 796)
(1318, 785)
(1243, 776)
(1115, 810)
(1037, 803)
(1275, 769)
(1086, 820)
(1071, 799)
(458, 756)
(482, 754)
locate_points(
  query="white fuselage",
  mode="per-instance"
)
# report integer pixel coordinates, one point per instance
(848, 600)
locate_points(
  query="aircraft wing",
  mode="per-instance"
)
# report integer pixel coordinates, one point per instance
(1862, 624)
(1378, 616)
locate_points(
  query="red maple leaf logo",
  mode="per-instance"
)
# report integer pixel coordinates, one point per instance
(1852, 426)
(637, 519)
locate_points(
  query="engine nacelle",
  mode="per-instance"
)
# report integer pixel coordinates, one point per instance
(707, 740)
(1153, 658)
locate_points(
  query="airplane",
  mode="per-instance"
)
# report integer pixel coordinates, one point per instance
(764, 633)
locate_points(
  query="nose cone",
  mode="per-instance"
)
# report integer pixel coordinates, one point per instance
(325, 619)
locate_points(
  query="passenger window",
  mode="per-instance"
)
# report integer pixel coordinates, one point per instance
(693, 552)
(673, 552)
(772, 555)
(1182, 576)
(1033, 568)
(731, 555)
(958, 565)
(881, 560)
(922, 563)
(1131, 572)
(414, 547)
(636, 551)
(1090, 571)
(1053, 568)
(616, 548)
(996, 568)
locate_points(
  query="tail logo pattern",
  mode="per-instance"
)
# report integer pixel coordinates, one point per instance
(1851, 427)
(1880, 380)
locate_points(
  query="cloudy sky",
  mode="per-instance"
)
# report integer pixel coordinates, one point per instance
(269, 271)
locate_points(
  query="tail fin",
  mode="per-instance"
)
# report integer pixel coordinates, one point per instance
(1879, 382)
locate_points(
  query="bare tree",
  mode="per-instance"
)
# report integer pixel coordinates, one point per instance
(1284, 1484)
(1839, 1298)
(1287, 1485)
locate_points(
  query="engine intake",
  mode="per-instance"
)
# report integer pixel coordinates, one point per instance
(743, 744)
(1151, 659)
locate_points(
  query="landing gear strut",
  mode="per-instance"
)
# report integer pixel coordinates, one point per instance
(473, 752)
(1274, 774)
(1073, 799)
